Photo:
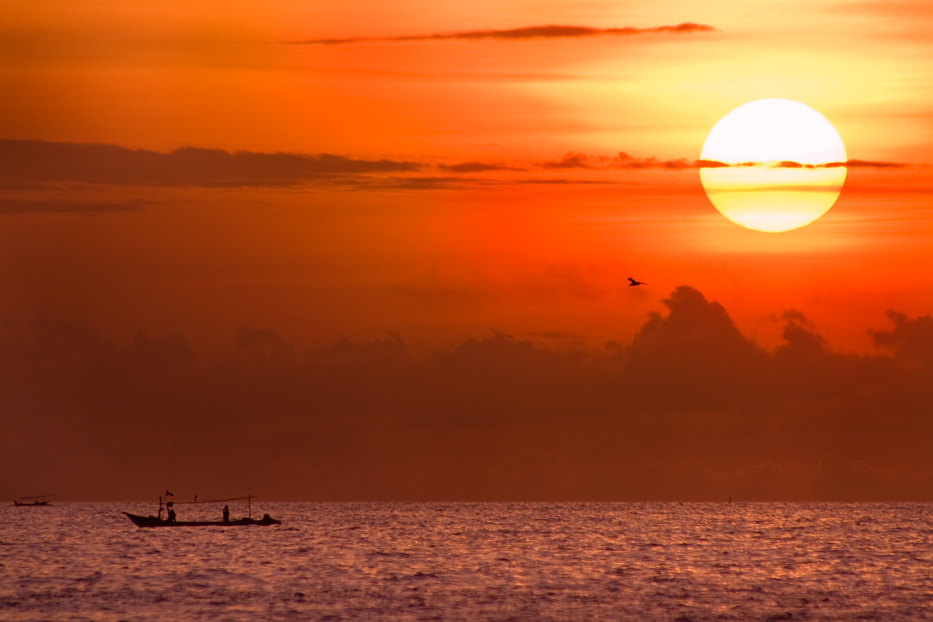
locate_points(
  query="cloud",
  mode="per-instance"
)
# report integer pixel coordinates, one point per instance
(40, 161)
(910, 338)
(570, 160)
(623, 161)
(34, 165)
(518, 34)
(868, 164)
(620, 161)
(692, 358)
(791, 164)
(711, 164)
(414, 182)
(690, 409)
(475, 167)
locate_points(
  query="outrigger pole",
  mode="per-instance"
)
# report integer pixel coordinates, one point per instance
(249, 502)
(248, 497)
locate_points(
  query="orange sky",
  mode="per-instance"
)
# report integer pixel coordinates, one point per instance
(439, 175)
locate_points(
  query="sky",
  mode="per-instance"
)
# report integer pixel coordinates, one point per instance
(379, 251)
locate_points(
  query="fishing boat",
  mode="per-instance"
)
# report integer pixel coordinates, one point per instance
(155, 521)
(168, 517)
(36, 501)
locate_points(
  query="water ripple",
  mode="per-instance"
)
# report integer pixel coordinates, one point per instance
(453, 562)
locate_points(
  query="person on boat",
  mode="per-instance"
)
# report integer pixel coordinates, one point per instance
(226, 514)
(171, 512)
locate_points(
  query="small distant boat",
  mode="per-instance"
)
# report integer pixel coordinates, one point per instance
(170, 521)
(155, 521)
(36, 501)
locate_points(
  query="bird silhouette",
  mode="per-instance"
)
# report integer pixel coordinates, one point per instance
(632, 282)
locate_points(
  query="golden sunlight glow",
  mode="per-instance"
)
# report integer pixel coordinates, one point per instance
(774, 165)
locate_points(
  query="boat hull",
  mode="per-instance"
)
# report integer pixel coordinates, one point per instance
(154, 521)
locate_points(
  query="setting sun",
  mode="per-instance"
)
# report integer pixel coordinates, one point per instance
(784, 165)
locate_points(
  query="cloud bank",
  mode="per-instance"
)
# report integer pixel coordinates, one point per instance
(476, 167)
(689, 409)
(35, 165)
(518, 34)
(620, 161)
(623, 161)
(39, 161)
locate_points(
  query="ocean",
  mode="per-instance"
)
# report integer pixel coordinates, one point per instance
(473, 561)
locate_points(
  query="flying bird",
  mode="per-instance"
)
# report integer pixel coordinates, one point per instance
(632, 282)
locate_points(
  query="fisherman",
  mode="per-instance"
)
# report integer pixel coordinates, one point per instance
(226, 514)
(168, 506)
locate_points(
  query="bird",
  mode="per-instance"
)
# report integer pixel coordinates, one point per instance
(632, 282)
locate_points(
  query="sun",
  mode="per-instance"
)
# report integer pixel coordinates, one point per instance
(773, 165)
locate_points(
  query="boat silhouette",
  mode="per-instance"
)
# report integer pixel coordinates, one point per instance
(155, 521)
(168, 518)
(34, 501)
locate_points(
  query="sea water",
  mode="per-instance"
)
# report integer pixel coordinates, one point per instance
(473, 561)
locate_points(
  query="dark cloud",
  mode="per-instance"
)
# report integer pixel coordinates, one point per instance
(33, 165)
(40, 161)
(620, 161)
(519, 34)
(868, 164)
(689, 409)
(910, 338)
(846, 164)
(429, 182)
(570, 160)
(623, 161)
(710, 164)
(475, 167)
(692, 358)
(451, 182)
(558, 181)
(792, 164)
